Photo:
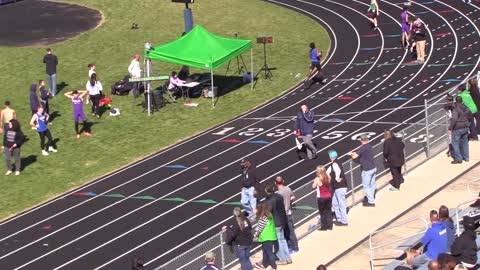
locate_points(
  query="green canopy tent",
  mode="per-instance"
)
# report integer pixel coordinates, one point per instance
(202, 49)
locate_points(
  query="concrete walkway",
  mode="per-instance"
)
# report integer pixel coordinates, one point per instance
(326, 246)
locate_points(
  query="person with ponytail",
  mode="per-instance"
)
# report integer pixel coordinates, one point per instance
(240, 238)
(324, 198)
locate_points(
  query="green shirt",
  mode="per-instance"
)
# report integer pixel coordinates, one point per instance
(467, 100)
(373, 7)
(269, 233)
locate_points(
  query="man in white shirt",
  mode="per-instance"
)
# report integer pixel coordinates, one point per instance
(135, 72)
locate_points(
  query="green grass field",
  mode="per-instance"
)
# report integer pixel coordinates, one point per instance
(117, 141)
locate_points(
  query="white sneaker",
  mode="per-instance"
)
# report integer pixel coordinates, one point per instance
(8, 172)
(51, 149)
(17, 173)
(45, 153)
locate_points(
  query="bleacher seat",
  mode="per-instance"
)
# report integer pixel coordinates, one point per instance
(393, 264)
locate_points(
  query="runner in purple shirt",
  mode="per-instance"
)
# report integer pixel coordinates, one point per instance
(405, 27)
(77, 101)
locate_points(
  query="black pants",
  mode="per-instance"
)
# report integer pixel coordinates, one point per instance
(46, 107)
(325, 211)
(44, 134)
(477, 121)
(95, 100)
(397, 176)
(473, 127)
(85, 127)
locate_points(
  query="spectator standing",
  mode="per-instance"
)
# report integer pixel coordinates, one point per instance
(135, 72)
(304, 126)
(51, 62)
(288, 198)
(364, 156)
(240, 238)
(13, 140)
(45, 95)
(91, 70)
(394, 158)
(469, 102)
(321, 184)
(94, 89)
(420, 37)
(444, 216)
(464, 248)
(39, 121)
(277, 207)
(210, 262)
(249, 180)
(339, 186)
(6, 115)
(458, 129)
(34, 103)
(267, 237)
(435, 241)
(474, 92)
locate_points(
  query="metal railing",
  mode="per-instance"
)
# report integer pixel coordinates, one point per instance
(388, 243)
(423, 139)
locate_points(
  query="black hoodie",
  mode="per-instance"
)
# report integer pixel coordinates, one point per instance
(464, 248)
(460, 115)
(305, 122)
(235, 236)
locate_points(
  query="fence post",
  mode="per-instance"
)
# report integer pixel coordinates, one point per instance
(426, 128)
(405, 169)
(222, 250)
(350, 164)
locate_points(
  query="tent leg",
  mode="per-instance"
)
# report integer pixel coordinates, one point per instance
(213, 93)
(251, 69)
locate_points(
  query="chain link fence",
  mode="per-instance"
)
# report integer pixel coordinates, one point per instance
(422, 139)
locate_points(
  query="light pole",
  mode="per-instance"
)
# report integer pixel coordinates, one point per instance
(187, 14)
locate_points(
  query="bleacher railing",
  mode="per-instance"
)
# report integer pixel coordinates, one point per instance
(373, 247)
(423, 139)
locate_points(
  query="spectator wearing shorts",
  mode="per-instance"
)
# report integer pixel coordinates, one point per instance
(405, 27)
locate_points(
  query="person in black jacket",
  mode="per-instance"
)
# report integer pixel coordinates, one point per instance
(240, 238)
(12, 142)
(275, 202)
(458, 129)
(45, 95)
(464, 248)
(394, 158)
(339, 186)
(304, 126)
(51, 62)
(34, 103)
(474, 92)
(249, 181)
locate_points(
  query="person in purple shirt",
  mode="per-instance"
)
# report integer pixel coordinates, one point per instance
(77, 102)
(405, 26)
(435, 241)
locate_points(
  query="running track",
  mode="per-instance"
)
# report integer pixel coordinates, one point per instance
(167, 203)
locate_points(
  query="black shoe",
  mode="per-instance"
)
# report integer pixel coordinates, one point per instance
(456, 162)
(366, 204)
(340, 223)
(475, 204)
(466, 160)
(322, 229)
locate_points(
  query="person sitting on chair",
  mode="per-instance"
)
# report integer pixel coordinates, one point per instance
(175, 85)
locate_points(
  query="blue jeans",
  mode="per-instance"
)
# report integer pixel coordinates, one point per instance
(293, 242)
(268, 257)
(282, 253)
(420, 260)
(52, 83)
(368, 182)
(243, 255)
(339, 205)
(247, 199)
(460, 144)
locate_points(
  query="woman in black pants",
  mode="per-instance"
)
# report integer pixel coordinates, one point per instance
(473, 87)
(394, 158)
(324, 198)
(94, 89)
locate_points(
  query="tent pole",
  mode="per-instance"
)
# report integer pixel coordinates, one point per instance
(251, 68)
(211, 80)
